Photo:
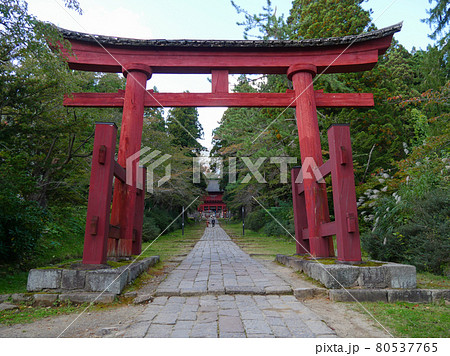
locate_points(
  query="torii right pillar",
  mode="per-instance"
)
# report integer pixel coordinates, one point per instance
(316, 201)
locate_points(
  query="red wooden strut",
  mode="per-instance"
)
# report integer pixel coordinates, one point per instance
(100, 191)
(99, 233)
(344, 195)
(300, 220)
(345, 226)
(309, 136)
(124, 200)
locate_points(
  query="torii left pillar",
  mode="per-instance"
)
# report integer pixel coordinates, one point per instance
(124, 198)
(316, 201)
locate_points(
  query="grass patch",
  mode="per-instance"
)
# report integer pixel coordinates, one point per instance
(259, 243)
(28, 314)
(13, 282)
(412, 320)
(173, 244)
(307, 278)
(366, 262)
(428, 280)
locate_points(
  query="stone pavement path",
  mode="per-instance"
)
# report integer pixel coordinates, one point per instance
(220, 291)
(216, 265)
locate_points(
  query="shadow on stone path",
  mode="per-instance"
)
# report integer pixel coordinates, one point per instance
(220, 291)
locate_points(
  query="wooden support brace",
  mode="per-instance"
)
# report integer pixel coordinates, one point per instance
(219, 80)
(139, 214)
(100, 191)
(344, 195)
(300, 219)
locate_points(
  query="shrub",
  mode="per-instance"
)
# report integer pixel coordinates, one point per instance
(21, 226)
(63, 235)
(150, 229)
(257, 219)
(157, 220)
(413, 231)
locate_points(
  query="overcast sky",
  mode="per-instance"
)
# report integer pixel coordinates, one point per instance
(205, 19)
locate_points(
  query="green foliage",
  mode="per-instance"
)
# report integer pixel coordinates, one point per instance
(415, 232)
(158, 220)
(282, 220)
(173, 244)
(31, 236)
(439, 19)
(410, 221)
(260, 220)
(13, 281)
(21, 227)
(256, 220)
(327, 18)
(63, 236)
(269, 25)
(184, 127)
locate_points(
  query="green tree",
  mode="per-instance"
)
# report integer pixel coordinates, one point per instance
(269, 25)
(439, 19)
(327, 18)
(184, 127)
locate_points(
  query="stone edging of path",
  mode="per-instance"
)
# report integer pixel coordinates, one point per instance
(340, 275)
(250, 290)
(65, 280)
(375, 295)
(76, 286)
(371, 294)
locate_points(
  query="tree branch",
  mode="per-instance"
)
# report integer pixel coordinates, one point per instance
(368, 162)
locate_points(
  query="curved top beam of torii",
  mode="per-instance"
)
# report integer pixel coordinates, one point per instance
(333, 55)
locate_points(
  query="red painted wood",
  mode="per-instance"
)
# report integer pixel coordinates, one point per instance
(219, 80)
(114, 232)
(357, 57)
(124, 199)
(325, 169)
(344, 196)
(309, 138)
(139, 215)
(328, 229)
(119, 172)
(220, 99)
(100, 190)
(300, 220)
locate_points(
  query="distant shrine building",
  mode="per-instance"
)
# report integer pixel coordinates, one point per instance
(213, 204)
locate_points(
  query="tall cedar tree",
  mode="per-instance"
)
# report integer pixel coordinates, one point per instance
(183, 125)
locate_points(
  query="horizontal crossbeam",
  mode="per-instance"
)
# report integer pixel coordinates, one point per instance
(220, 99)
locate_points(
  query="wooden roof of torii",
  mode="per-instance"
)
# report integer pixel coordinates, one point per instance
(222, 57)
(336, 54)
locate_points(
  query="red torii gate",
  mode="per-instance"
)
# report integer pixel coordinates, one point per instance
(299, 60)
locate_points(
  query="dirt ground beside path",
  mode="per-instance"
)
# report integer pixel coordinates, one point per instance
(113, 322)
